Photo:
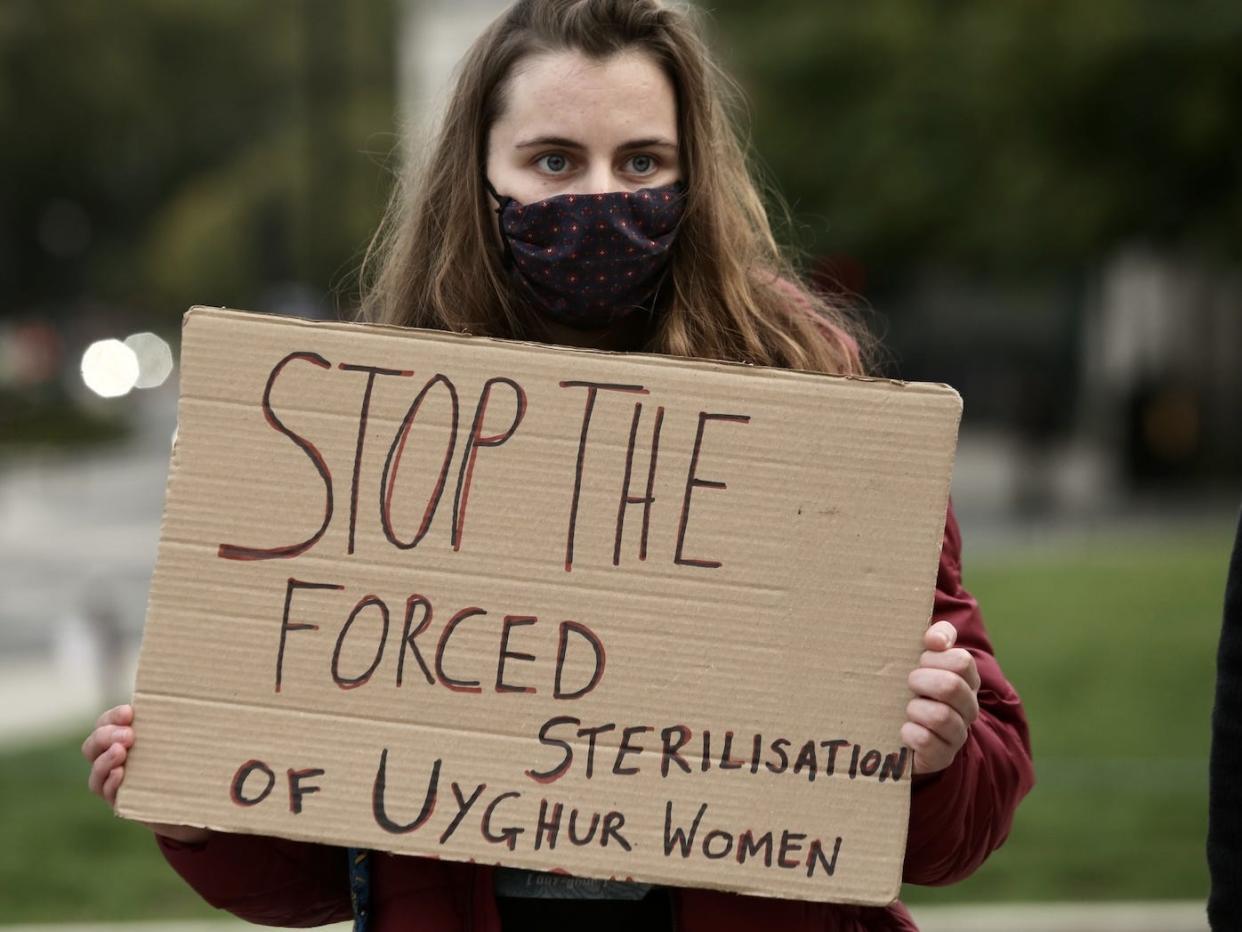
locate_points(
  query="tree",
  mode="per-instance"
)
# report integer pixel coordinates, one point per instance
(165, 152)
(1029, 135)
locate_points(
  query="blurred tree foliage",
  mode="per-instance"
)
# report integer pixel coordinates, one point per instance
(164, 152)
(1026, 135)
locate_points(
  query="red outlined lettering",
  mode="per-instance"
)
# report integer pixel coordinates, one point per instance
(379, 811)
(236, 552)
(476, 440)
(597, 646)
(510, 622)
(298, 792)
(593, 389)
(348, 682)
(409, 638)
(238, 786)
(646, 499)
(372, 372)
(286, 625)
(388, 478)
(461, 686)
(694, 482)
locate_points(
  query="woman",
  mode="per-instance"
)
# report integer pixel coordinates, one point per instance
(587, 189)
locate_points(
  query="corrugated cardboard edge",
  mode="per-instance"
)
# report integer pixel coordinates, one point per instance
(928, 388)
(940, 390)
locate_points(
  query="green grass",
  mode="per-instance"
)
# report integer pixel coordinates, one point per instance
(1112, 647)
(65, 857)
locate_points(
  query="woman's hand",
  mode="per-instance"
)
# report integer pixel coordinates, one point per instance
(945, 703)
(106, 749)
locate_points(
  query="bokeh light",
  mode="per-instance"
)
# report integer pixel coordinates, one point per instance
(155, 362)
(109, 368)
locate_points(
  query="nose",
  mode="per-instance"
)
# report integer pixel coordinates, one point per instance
(600, 180)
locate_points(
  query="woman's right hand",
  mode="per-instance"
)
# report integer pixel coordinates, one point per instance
(106, 749)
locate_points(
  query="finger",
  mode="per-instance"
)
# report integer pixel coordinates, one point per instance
(102, 766)
(112, 784)
(940, 636)
(931, 753)
(945, 687)
(120, 715)
(104, 737)
(96, 742)
(940, 719)
(117, 715)
(956, 660)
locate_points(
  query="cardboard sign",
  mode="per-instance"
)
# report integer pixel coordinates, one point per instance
(616, 615)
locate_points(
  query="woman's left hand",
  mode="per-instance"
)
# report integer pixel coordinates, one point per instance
(945, 703)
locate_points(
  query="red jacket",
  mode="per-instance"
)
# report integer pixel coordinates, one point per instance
(957, 817)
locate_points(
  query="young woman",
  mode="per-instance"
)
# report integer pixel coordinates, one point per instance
(587, 188)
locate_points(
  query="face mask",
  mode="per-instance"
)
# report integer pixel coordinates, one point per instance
(589, 260)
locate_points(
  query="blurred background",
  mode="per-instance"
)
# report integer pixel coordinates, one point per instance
(1036, 201)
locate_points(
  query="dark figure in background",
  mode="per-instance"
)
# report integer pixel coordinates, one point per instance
(1224, 846)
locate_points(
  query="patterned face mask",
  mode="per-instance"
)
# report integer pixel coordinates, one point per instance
(588, 260)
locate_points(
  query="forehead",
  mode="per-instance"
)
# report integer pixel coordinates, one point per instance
(625, 96)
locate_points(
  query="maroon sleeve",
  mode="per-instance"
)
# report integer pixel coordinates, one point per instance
(265, 880)
(962, 814)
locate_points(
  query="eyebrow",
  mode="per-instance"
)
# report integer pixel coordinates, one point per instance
(646, 143)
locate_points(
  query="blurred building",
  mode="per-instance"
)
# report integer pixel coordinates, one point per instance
(433, 35)
(1083, 394)
(1162, 367)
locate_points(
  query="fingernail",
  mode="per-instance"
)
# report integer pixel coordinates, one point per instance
(124, 734)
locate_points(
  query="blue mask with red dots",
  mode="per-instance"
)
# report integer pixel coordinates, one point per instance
(589, 260)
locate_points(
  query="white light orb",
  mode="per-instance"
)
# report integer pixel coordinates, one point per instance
(109, 368)
(155, 362)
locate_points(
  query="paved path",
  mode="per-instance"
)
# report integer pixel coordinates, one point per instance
(1065, 917)
(1162, 916)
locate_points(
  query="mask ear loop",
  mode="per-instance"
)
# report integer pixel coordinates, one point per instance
(500, 198)
(679, 189)
(502, 202)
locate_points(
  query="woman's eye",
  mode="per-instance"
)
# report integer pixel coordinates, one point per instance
(553, 164)
(642, 165)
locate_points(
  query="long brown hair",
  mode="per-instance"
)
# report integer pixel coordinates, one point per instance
(435, 261)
